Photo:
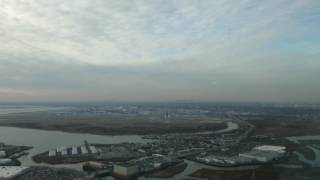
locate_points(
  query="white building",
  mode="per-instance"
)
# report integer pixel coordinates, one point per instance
(125, 169)
(278, 149)
(93, 150)
(52, 153)
(260, 156)
(5, 161)
(74, 150)
(264, 153)
(3, 154)
(84, 150)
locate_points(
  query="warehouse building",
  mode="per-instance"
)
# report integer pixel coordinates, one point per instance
(52, 153)
(125, 169)
(278, 149)
(93, 150)
(84, 150)
(3, 154)
(261, 156)
(74, 150)
(265, 153)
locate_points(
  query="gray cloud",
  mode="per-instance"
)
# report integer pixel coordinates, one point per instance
(159, 50)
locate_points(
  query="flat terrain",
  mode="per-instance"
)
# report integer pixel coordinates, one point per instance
(286, 126)
(109, 124)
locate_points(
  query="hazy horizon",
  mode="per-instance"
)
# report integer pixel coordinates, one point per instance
(151, 51)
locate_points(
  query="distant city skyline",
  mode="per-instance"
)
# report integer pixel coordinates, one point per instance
(182, 50)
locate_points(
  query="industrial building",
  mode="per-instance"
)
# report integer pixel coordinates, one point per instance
(265, 153)
(5, 161)
(278, 149)
(3, 154)
(74, 150)
(261, 156)
(84, 150)
(52, 153)
(93, 150)
(125, 169)
(220, 160)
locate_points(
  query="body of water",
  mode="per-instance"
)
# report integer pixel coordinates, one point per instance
(8, 109)
(43, 140)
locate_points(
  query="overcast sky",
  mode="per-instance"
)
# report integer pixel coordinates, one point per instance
(126, 50)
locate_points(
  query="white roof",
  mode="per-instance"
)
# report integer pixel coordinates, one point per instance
(11, 171)
(52, 152)
(3, 153)
(280, 149)
(74, 150)
(5, 160)
(84, 150)
(93, 149)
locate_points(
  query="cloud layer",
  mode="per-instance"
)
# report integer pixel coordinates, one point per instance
(221, 50)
